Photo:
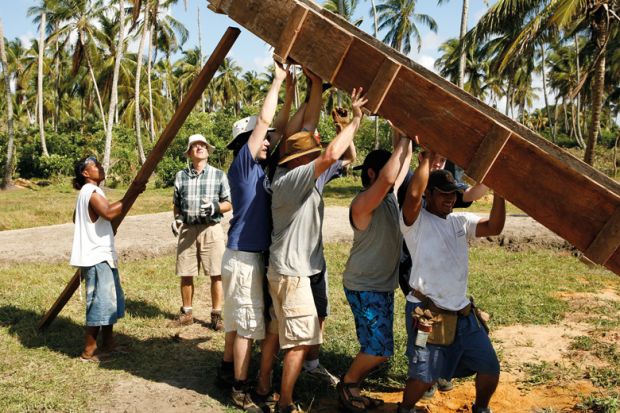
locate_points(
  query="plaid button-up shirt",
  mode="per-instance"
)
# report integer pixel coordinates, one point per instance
(192, 189)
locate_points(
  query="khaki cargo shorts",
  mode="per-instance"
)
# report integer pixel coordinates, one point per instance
(200, 244)
(293, 304)
(242, 280)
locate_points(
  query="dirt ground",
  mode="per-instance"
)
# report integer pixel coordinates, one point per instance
(146, 236)
(149, 235)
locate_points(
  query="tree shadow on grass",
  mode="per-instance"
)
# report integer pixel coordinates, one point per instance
(141, 308)
(181, 363)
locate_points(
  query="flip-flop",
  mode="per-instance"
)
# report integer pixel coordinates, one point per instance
(95, 358)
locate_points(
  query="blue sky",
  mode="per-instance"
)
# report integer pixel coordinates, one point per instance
(249, 51)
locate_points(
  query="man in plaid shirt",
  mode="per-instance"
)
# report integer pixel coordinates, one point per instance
(201, 197)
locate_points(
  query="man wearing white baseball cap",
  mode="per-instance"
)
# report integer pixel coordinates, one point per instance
(201, 197)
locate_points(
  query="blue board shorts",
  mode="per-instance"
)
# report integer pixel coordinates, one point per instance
(373, 312)
(470, 353)
(105, 301)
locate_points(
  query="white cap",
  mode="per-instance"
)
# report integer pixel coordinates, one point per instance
(199, 138)
(244, 125)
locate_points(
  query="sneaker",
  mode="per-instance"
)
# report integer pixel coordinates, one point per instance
(185, 319)
(322, 374)
(444, 385)
(430, 392)
(242, 399)
(476, 409)
(216, 321)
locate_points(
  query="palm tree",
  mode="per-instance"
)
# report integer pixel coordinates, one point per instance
(114, 91)
(460, 79)
(8, 166)
(139, 58)
(531, 22)
(344, 8)
(41, 18)
(227, 83)
(399, 18)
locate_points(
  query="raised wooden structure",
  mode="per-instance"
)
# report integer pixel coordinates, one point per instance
(559, 191)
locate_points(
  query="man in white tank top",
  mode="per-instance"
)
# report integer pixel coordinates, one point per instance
(93, 252)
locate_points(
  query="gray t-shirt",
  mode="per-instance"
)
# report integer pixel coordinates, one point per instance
(375, 254)
(297, 210)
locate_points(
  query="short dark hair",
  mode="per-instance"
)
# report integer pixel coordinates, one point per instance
(79, 179)
(376, 160)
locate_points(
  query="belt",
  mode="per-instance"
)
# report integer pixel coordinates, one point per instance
(428, 303)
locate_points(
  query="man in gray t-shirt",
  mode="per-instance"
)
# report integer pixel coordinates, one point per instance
(296, 250)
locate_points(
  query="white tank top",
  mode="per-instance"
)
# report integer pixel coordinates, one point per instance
(93, 242)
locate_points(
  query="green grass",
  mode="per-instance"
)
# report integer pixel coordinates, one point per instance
(41, 371)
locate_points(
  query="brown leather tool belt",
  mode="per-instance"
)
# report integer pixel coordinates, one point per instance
(428, 303)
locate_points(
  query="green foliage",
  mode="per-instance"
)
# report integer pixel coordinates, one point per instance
(600, 404)
(166, 171)
(55, 165)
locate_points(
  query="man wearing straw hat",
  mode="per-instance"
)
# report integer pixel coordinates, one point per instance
(201, 197)
(296, 250)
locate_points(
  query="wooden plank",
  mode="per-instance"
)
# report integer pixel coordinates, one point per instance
(194, 94)
(320, 46)
(606, 242)
(487, 152)
(216, 6)
(290, 33)
(381, 85)
(349, 76)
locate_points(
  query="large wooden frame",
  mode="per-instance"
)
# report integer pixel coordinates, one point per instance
(564, 194)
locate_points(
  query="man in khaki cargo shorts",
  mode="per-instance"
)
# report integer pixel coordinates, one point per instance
(201, 196)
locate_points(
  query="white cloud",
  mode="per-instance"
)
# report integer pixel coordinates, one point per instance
(26, 39)
(426, 61)
(431, 42)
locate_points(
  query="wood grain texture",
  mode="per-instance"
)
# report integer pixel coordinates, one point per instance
(381, 84)
(606, 242)
(290, 33)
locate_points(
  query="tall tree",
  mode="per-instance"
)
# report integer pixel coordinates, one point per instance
(114, 92)
(40, 84)
(399, 18)
(8, 166)
(460, 79)
(139, 58)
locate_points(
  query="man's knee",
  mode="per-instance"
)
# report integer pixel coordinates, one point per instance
(216, 278)
(187, 281)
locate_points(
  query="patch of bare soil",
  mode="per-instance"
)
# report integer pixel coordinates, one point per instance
(147, 236)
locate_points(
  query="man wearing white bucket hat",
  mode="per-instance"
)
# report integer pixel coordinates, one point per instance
(201, 197)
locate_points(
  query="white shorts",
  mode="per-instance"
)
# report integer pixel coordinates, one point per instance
(242, 280)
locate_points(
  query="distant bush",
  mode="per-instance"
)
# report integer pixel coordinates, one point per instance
(166, 170)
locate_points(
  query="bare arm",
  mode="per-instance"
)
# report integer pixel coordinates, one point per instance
(404, 168)
(267, 112)
(225, 206)
(475, 192)
(102, 208)
(349, 155)
(282, 117)
(366, 202)
(313, 109)
(413, 198)
(341, 142)
(494, 224)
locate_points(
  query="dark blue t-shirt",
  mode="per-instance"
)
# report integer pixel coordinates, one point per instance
(250, 227)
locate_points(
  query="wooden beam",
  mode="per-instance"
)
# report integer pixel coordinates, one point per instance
(340, 62)
(381, 84)
(196, 89)
(290, 33)
(606, 241)
(487, 152)
(216, 6)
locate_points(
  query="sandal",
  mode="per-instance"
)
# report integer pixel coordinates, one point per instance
(372, 403)
(350, 402)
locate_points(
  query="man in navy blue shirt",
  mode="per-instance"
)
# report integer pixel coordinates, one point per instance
(249, 236)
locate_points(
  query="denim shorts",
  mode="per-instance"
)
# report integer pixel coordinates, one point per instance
(105, 301)
(373, 312)
(470, 353)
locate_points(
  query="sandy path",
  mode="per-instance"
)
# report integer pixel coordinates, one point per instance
(144, 236)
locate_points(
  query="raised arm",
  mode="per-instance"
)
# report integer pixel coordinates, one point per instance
(102, 208)
(283, 116)
(413, 197)
(475, 192)
(313, 110)
(366, 202)
(494, 224)
(341, 142)
(267, 112)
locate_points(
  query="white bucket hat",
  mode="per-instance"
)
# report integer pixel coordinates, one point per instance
(241, 131)
(199, 138)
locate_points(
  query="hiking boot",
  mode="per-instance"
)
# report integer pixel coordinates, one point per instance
(322, 374)
(267, 402)
(242, 399)
(476, 409)
(291, 408)
(430, 392)
(444, 385)
(216, 321)
(185, 318)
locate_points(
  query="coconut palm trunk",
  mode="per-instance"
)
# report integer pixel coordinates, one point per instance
(544, 85)
(94, 80)
(7, 179)
(460, 81)
(136, 102)
(600, 25)
(148, 75)
(376, 30)
(114, 94)
(40, 85)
